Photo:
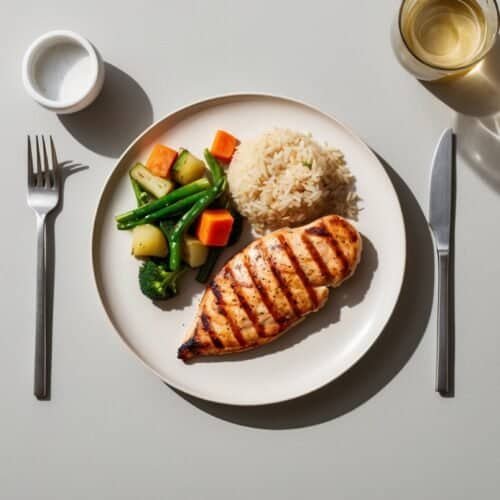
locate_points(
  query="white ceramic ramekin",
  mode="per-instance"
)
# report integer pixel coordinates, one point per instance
(62, 71)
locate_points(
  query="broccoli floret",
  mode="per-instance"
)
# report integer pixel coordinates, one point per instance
(157, 282)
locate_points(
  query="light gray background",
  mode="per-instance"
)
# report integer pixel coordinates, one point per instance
(114, 431)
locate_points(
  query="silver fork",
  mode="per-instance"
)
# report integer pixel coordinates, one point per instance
(43, 197)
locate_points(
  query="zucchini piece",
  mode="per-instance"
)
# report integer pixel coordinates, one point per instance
(157, 186)
(194, 252)
(187, 168)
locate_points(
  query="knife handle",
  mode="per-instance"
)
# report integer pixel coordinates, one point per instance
(443, 374)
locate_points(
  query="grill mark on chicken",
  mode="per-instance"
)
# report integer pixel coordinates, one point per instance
(189, 348)
(207, 326)
(262, 292)
(319, 230)
(235, 285)
(279, 278)
(316, 257)
(353, 235)
(322, 231)
(298, 270)
(334, 245)
(221, 304)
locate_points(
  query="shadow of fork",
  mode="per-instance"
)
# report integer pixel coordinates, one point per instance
(65, 170)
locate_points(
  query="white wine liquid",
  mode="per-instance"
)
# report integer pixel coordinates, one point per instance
(445, 33)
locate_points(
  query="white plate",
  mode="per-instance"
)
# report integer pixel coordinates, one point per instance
(312, 354)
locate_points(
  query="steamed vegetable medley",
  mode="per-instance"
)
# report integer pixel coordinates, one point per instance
(184, 218)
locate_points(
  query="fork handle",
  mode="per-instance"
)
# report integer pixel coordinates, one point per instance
(443, 374)
(41, 382)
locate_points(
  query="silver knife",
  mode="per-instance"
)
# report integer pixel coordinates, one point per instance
(440, 219)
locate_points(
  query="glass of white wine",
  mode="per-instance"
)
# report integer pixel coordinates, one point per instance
(438, 39)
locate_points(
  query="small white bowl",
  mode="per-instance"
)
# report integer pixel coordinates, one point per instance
(63, 72)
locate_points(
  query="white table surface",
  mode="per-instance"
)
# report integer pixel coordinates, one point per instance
(114, 431)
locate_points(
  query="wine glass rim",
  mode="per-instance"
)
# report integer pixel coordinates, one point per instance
(434, 66)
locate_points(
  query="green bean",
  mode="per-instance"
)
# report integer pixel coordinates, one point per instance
(213, 165)
(167, 226)
(237, 228)
(168, 199)
(141, 196)
(206, 269)
(176, 208)
(188, 219)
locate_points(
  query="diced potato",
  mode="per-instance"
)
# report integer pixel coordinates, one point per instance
(188, 168)
(194, 252)
(148, 241)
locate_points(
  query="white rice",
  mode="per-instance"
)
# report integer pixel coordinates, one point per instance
(285, 178)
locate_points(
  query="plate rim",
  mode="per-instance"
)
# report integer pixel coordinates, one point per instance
(207, 102)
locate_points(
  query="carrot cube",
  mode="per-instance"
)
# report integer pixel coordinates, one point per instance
(224, 146)
(160, 160)
(214, 227)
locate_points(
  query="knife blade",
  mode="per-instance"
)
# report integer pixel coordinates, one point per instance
(441, 190)
(440, 220)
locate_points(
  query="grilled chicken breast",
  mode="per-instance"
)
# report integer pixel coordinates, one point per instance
(271, 285)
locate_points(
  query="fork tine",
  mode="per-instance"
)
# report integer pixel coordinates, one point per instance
(46, 179)
(30, 164)
(55, 164)
(38, 174)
